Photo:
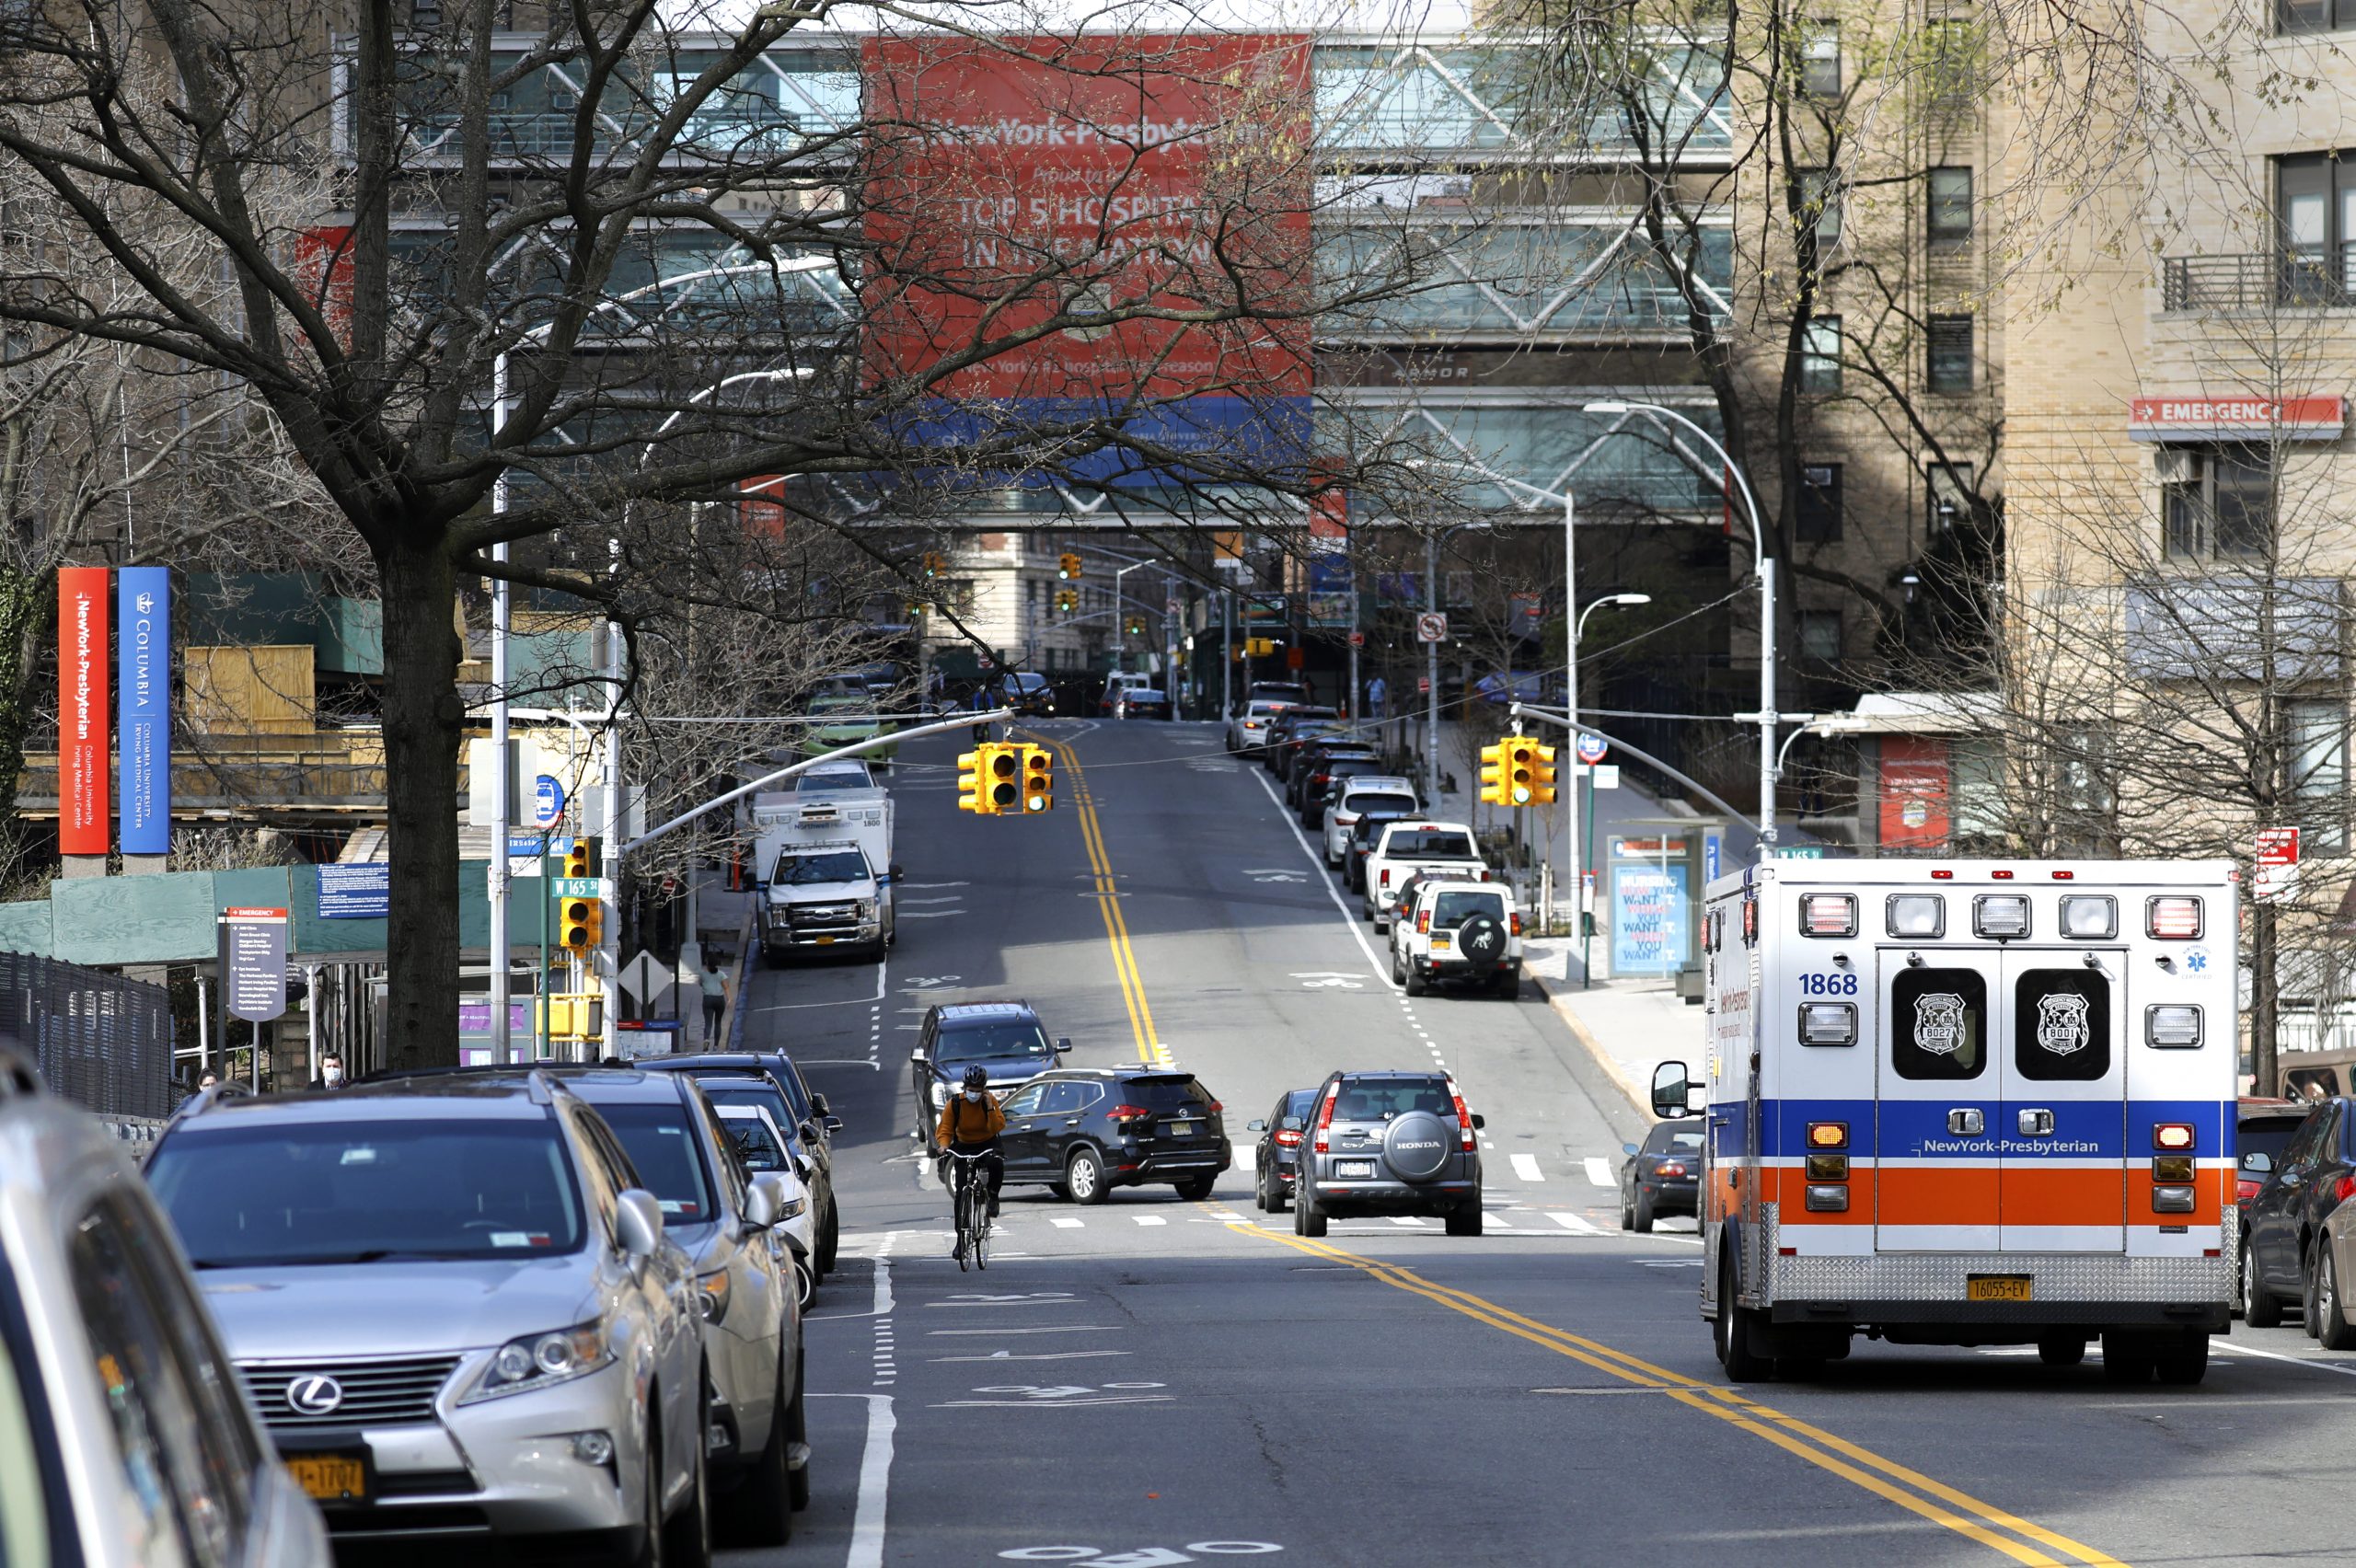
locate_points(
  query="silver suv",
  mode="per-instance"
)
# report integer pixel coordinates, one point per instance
(1389, 1143)
(123, 1438)
(458, 1310)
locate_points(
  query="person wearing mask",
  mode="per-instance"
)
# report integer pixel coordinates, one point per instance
(331, 1072)
(970, 1124)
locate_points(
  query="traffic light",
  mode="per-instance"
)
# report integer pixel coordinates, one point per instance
(1136, 626)
(581, 860)
(1067, 567)
(1066, 600)
(932, 563)
(1493, 775)
(1005, 790)
(1038, 779)
(1542, 775)
(972, 788)
(581, 924)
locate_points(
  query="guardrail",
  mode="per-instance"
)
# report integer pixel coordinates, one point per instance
(2280, 280)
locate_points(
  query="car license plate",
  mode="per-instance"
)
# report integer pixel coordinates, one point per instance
(1348, 1167)
(1177, 1129)
(1439, 941)
(1996, 1287)
(824, 942)
(331, 1478)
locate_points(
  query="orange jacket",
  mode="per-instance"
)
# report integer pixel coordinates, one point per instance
(962, 1122)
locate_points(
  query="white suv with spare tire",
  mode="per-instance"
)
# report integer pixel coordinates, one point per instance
(1457, 932)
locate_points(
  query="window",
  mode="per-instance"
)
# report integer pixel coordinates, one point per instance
(2315, 733)
(2062, 1026)
(2315, 211)
(1819, 199)
(1820, 635)
(1938, 1023)
(1950, 61)
(2219, 504)
(1820, 355)
(1950, 208)
(1820, 59)
(1949, 367)
(1025, 1101)
(1818, 521)
(2314, 15)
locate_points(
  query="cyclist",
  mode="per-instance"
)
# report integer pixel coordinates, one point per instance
(970, 1124)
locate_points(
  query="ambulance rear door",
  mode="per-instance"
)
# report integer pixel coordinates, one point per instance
(1938, 1099)
(2063, 1181)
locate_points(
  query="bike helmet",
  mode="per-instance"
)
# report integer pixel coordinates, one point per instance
(976, 1078)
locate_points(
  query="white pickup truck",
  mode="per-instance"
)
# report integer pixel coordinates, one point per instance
(1465, 932)
(1414, 845)
(826, 866)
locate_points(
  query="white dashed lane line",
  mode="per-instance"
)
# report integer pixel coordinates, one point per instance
(1526, 1167)
(1599, 1171)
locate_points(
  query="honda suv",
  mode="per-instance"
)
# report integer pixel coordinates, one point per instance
(454, 1305)
(1083, 1131)
(1389, 1143)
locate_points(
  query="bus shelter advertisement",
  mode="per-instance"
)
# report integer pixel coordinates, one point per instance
(1156, 188)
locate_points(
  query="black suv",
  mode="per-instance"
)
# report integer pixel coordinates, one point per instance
(1275, 1160)
(1389, 1143)
(1027, 692)
(1084, 1130)
(1004, 1039)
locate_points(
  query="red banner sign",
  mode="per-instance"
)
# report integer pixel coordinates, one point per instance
(85, 786)
(2236, 419)
(1915, 777)
(1162, 181)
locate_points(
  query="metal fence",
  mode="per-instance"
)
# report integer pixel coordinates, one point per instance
(100, 1041)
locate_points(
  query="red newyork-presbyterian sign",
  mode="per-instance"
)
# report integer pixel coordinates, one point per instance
(1162, 181)
(85, 788)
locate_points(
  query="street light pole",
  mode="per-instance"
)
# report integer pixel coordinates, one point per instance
(1431, 675)
(1766, 568)
(1571, 707)
(502, 1046)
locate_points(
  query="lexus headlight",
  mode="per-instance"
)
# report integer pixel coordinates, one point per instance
(541, 1361)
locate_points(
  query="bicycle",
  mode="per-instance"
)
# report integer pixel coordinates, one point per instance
(969, 1208)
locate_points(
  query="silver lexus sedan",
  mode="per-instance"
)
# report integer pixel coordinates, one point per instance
(457, 1311)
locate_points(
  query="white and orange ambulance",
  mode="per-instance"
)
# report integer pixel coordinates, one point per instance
(1968, 1102)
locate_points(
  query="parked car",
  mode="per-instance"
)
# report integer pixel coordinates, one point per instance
(1293, 728)
(766, 1149)
(1340, 741)
(1415, 845)
(1142, 702)
(1393, 1143)
(1005, 1039)
(1083, 1131)
(1365, 834)
(1384, 793)
(1247, 728)
(1275, 1159)
(126, 1439)
(459, 1311)
(2335, 1263)
(725, 1219)
(814, 1119)
(2261, 1129)
(750, 1083)
(1118, 682)
(1451, 932)
(1027, 692)
(1661, 1175)
(1321, 779)
(1287, 692)
(2285, 1219)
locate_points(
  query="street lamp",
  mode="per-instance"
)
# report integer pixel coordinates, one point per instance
(1432, 542)
(1765, 565)
(1571, 707)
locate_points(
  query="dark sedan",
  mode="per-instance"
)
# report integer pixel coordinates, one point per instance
(1662, 1175)
(1141, 702)
(1276, 1161)
(1321, 778)
(1292, 730)
(1320, 751)
(1365, 834)
(2284, 1218)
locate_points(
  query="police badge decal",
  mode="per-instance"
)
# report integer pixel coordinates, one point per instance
(2062, 1022)
(1938, 1023)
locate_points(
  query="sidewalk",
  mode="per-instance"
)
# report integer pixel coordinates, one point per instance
(1628, 1026)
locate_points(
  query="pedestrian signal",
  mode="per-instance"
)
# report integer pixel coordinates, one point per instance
(1038, 779)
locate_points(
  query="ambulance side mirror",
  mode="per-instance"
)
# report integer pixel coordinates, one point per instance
(1671, 1092)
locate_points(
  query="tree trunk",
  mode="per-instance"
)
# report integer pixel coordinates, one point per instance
(27, 603)
(2264, 1009)
(422, 720)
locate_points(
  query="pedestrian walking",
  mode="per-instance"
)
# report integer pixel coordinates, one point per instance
(1377, 696)
(715, 998)
(331, 1072)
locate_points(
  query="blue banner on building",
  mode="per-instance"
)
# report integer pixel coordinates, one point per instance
(143, 709)
(360, 890)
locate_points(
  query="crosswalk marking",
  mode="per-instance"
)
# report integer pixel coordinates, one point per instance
(1572, 1222)
(1407, 1219)
(1148, 1220)
(1599, 1171)
(1065, 1224)
(1526, 1167)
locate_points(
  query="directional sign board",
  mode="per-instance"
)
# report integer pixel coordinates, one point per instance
(1431, 626)
(580, 887)
(253, 958)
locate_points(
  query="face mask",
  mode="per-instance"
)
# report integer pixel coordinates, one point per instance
(331, 1076)
(974, 1095)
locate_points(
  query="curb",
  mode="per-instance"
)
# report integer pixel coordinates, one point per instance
(1612, 1069)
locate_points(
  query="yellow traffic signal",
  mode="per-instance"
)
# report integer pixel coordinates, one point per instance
(1004, 761)
(1038, 779)
(932, 563)
(581, 860)
(1067, 567)
(1521, 770)
(1542, 776)
(581, 924)
(1493, 775)
(972, 788)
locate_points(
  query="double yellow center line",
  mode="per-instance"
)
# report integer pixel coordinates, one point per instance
(1942, 1505)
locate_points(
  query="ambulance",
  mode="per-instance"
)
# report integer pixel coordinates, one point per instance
(1966, 1103)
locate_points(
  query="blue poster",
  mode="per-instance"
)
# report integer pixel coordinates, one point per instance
(1647, 919)
(144, 708)
(357, 889)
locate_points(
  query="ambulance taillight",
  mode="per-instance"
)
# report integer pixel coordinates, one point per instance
(2000, 915)
(1827, 1135)
(2172, 1026)
(1828, 915)
(2173, 1135)
(2172, 919)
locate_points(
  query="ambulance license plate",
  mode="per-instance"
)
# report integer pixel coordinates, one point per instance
(1996, 1287)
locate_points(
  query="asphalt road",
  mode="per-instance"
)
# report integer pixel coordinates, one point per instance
(1153, 1381)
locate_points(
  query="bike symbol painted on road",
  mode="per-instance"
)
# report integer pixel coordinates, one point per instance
(1142, 1556)
(928, 982)
(1275, 874)
(1329, 980)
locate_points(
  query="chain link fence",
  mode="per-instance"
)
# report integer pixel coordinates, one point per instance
(100, 1041)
